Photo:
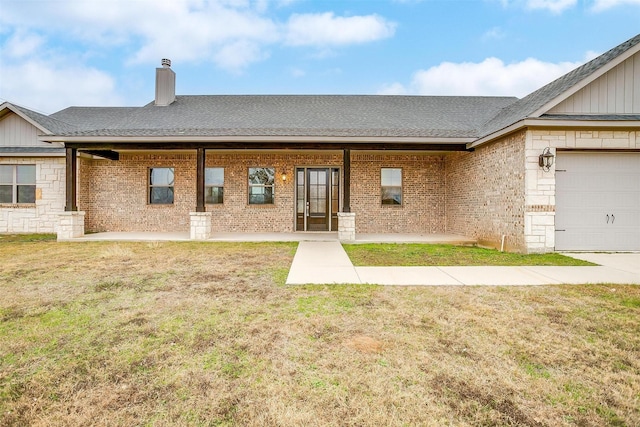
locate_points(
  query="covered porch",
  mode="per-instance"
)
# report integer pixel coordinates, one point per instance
(110, 178)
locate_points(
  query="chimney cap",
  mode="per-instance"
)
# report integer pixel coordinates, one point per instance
(166, 63)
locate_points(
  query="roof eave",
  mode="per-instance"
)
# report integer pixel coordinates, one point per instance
(196, 139)
(13, 109)
(537, 123)
(33, 154)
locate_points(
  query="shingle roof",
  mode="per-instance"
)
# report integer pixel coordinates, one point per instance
(93, 118)
(524, 107)
(293, 115)
(321, 115)
(32, 150)
(49, 123)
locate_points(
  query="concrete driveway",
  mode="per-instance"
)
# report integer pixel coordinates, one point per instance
(624, 261)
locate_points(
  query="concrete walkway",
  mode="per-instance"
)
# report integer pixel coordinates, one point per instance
(328, 263)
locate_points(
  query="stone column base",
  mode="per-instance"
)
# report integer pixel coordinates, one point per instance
(346, 226)
(71, 225)
(200, 225)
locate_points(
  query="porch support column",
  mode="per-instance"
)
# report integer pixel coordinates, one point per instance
(71, 221)
(346, 218)
(71, 179)
(200, 160)
(346, 166)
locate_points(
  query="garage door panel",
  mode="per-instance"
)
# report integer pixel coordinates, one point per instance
(579, 218)
(581, 239)
(597, 201)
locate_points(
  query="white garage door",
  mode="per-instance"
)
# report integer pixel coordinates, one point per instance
(598, 201)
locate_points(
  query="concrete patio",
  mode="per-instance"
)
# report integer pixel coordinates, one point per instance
(308, 236)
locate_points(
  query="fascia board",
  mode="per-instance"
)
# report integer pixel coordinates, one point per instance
(32, 154)
(178, 139)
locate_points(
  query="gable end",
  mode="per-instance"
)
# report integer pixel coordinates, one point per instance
(615, 92)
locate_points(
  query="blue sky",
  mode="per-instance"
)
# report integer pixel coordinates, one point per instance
(58, 53)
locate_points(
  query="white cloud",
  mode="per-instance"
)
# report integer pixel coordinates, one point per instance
(236, 56)
(22, 44)
(44, 86)
(495, 33)
(491, 77)
(554, 6)
(297, 72)
(325, 29)
(187, 30)
(392, 89)
(601, 5)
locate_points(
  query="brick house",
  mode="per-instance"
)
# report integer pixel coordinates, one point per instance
(352, 164)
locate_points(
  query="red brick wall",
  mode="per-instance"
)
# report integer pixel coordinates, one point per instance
(114, 193)
(485, 192)
(423, 193)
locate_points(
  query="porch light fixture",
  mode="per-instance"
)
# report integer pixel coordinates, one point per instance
(284, 176)
(545, 160)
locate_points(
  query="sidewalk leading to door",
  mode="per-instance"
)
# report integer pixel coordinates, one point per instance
(321, 262)
(328, 263)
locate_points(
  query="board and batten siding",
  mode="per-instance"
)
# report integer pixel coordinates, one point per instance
(17, 132)
(615, 92)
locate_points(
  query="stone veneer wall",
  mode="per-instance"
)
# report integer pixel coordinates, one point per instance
(423, 193)
(540, 198)
(114, 193)
(486, 192)
(42, 216)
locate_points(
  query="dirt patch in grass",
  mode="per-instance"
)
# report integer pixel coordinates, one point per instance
(419, 254)
(100, 333)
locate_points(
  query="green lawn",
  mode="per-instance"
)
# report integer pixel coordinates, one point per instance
(411, 254)
(207, 334)
(26, 237)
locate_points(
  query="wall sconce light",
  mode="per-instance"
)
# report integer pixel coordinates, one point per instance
(284, 176)
(545, 160)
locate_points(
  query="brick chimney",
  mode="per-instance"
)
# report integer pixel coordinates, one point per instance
(165, 84)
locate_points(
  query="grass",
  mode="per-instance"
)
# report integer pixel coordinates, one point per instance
(26, 237)
(411, 254)
(207, 334)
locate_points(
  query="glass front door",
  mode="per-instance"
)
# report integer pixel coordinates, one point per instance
(317, 199)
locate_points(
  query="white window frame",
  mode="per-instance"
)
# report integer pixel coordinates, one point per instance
(14, 184)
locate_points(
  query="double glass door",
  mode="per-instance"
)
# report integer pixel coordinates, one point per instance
(317, 198)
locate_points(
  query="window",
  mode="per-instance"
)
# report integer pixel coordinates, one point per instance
(214, 185)
(261, 183)
(391, 186)
(17, 183)
(161, 186)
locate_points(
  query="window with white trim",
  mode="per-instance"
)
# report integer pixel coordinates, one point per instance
(17, 183)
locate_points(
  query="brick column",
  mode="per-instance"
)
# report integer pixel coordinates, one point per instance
(200, 225)
(71, 225)
(346, 226)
